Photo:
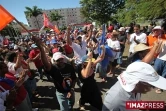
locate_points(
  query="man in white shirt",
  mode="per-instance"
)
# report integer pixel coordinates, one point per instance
(131, 83)
(79, 48)
(136, 38)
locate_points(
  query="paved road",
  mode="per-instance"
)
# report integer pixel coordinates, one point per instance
(47, 100)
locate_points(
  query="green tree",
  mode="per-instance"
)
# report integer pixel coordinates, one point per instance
(140, 10)
(55, 17)
(152, 9)
(9, 31)
(100, 10)
(33, 12)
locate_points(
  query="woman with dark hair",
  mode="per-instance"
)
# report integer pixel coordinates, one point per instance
(90, 92)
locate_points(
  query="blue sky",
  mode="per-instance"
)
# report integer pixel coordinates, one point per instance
(17, 7)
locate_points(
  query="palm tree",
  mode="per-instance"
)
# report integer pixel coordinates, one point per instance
(55, 17)
(33, 12)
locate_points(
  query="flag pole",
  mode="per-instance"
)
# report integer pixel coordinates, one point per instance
(23, 26)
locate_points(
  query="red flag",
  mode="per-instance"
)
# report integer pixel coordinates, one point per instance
(5, 17)
(48, 24)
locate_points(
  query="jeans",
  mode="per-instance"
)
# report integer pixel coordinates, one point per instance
(66, 104)
(25, 105)
(30, 86)
(160, 67)
(40, 70)
(101, 70)
(119, 60)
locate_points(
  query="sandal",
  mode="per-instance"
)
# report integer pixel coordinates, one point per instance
(110, 73)
(159, 91)
(104, 80)
(82, 108)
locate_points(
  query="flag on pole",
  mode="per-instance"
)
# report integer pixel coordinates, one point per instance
(5, 17)
(102, 39)
(56, 29)
(48, 24)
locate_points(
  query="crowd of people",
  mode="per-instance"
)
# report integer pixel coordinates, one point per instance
(75, 56)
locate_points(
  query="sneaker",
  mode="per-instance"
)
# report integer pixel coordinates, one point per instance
(35, 109)
(82, 108)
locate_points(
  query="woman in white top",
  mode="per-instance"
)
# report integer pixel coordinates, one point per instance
(114, 44)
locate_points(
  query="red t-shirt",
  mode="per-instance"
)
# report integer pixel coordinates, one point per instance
(68, 49)
(21, 93)
(33, 54)
(24, 63)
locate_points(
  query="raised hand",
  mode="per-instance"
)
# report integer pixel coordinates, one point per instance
(69, 28)
(37, 41)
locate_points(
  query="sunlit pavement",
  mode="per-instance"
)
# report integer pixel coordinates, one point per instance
(47, 100)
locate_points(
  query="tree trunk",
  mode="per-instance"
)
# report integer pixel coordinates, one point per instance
(37, 23)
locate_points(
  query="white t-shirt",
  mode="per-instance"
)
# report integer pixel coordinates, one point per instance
(114, 45)
(142, 38)
(79, 51)
(3, 98)
(11, 68)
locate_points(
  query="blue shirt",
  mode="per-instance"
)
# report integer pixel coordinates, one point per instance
(108, 55)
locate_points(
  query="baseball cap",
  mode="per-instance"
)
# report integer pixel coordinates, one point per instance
(140, 72)
(138, 48)
(121, 29)
(57, 56)
(78, 37)
(157, 28)
(34, 46)
(85, 58)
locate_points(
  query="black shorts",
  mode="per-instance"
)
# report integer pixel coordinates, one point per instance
(114, 63)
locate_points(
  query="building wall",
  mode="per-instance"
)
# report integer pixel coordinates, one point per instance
(70, 15)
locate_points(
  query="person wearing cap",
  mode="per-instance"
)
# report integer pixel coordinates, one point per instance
(145, 53)
(90, 92)
(157, 33)
(34, 56)
(55, 46)
(63, 76)
(79, 48)
(122, 40)
(136, 38)
(159, 63)
(131, 83)
(140, 51)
